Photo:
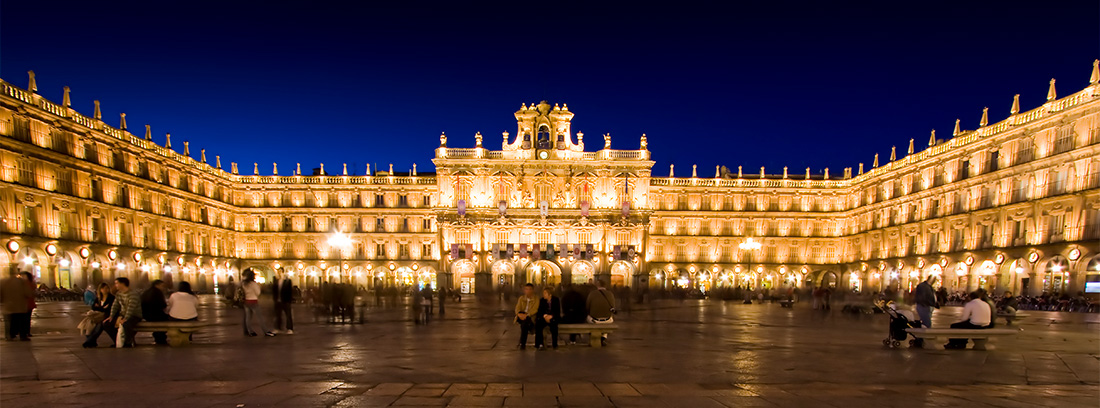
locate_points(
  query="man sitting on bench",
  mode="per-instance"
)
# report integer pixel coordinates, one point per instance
(601, 307)
(976, 315)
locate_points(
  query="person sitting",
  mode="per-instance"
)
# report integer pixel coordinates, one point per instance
(573, 309)
(101, 307)
(526, 308)
(1008, 304)
(976, 315)
(548, 315)
(183, 305)
(601, 307)
(153, 303)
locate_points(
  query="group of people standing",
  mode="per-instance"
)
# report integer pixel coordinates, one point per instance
(117, 310)
(282, 293)
(548, 311)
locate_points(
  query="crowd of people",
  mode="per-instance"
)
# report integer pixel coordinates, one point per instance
(578, 304)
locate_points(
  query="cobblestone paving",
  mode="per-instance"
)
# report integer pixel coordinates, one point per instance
(691, 354)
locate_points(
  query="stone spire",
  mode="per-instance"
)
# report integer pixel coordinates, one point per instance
(275, 169)
(255, 169)
(826, 173)
(985, 117)
(1095, 77)
(807, 173)
(875, 163)
(233, 167)
(202, 155)
(893, 153)
(391, 169)
(717, 171)
(414, 170)
(644, 143)
(298, 169)
(1051, 93)
(322, 169)
(168, 140)
(97, 114)
(957, 129)
(932, 137)
(443, 139)
(671, 170)
(218, 162)
(65, 101)
(477, 139)
(186, 148)
(861, 168)
(148, 133)
(738, 171)
(1015, 105)
(694, 174)
(910, 151)
(32, 85)
(761, 171)
(345, 169)
(784, 172)
(368, 169)
(122, 121)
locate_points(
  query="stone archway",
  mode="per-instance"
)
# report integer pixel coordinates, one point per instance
(504, 272)
(463, 271)
(543, 273)
(621, 273)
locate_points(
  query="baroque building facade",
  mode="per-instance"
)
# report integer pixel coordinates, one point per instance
(1012, 205)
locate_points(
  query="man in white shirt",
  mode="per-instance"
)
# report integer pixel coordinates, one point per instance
(976, 315)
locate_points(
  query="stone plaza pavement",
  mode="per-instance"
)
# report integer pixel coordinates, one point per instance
(690, 354)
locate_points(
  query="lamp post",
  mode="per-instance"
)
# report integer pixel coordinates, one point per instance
(341, 242)
(751, 246)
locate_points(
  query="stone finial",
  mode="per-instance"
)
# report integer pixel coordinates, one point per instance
(148, 133)
(910, 151)
(122, 121)
(565, 107)
(97, 114)
(761, 171)
(32, 85)
(861, 168)
(875, 163)
(391, 169)
(717, 171)
(738, 171)
(275, 169)
(607, 141)
(505, 134)
(784, 172)
(345, 169)
(233, 167)
(202, 155)
(807, 173)
(477, 139)
(893, 153)
(168, 140)
(671, 170)
(218, 162)
(826, 173)
(1015, 105)
(255, 169)
(322, 169)
(1051, 93)
(644, 143)
(522, 106)
(932, 137)
(368, 169)
(186, 148)
(414, 169)
(556, 107)
(297, 169)
(694, 172)
(580, 137)
(65, 101)
(443, 139)
(1095, 77)
(985, 117)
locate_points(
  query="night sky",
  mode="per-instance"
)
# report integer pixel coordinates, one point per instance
(756, 84)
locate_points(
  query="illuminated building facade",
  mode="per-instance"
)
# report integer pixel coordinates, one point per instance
(1008, 206)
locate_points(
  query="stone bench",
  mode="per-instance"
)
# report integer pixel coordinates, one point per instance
(786, 303)
(980, 336)
(1011, 317)
(179, 333)
(596, 331)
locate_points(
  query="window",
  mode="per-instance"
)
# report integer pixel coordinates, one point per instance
(993, 164)
(1058, 183)
(427, 224)
(403, 200)
(427, 201)
(1057, 226)
(934, 243)
(1025, 152)
(1064, 142)
(1020, 190)
(426, 251)
(403, 251)
(379, 200)
(987, 236)
(379, 224)
(544, 137)
(380, 250)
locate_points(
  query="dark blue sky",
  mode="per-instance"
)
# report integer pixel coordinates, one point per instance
(745, 83)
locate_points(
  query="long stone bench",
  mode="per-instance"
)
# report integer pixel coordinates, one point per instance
(1011, 317)
(980, 336)
(595, 331)
(179, 333)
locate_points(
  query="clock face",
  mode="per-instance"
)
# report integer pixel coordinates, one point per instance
(543, 155)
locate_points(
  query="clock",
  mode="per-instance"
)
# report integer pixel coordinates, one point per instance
(544, 154)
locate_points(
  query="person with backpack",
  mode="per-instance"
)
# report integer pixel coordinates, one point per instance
(601, 307)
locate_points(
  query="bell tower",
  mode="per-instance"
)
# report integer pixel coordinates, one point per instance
(543, 130)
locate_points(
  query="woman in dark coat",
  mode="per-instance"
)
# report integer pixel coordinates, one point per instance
(548, 315)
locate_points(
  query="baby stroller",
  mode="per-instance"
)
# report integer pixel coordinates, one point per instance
(899, 321)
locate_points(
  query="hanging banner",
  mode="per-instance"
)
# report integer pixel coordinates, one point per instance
(618, 250)
(564, 252)
(584, 208)
(590, 252)
(550, 252)
(631, 253)
(626, 208)
(522, 250)
(577, 251)
(535, 252)
(511, 250)
(461, 208)
(496, 251)
(454, 251)
(469, 251)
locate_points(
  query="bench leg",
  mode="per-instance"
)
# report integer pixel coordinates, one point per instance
(177, 338)
(594, 339)
(979, 344)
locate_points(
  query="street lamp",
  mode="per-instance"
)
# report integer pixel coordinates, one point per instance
(341, 242)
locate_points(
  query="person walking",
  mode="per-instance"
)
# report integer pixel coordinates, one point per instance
(31, 305)
(251, 293)
(526, 308)
(104, 301)
(153, 303)
(601, 307)
(283, 293)
(547, 316)
(15, 296)
(125, 312)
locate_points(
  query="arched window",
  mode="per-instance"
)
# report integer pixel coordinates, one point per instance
(544, 137)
